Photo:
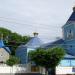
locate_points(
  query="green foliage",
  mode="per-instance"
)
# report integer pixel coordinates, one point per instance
(16, 40)
(54, 55)
(16, 37)
(49, 58)
(5, 32)
(25, 39)
(13, 40)
(13, 61)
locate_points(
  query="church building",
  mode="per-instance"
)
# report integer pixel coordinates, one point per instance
(22, 50)
(67, 42)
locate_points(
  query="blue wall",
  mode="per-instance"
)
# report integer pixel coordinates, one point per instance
(70, 46)
(68, 29)
(67, 62)
(69, 37)
(21, 53)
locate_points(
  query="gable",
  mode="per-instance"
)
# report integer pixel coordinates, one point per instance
(2, 50)
(4, 55)
(3, 46)
(72, 17)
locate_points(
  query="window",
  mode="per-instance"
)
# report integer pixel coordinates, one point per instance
(73, 62)
(70, 34)
(70, 31)
(70, 46)
(65, 63)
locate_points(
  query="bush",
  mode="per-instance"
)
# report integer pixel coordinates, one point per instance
(13, 61)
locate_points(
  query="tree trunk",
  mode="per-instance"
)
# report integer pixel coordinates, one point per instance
(51, 71)
(46, 71)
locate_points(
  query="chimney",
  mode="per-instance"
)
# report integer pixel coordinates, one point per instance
(35, 34)
(74, 9)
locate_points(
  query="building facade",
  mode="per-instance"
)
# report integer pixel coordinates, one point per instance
(22, 50)
(67, 42)
(4, 52)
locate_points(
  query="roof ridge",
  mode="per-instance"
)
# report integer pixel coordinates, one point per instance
(72, 17)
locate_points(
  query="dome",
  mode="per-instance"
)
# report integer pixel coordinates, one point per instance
(35, 42)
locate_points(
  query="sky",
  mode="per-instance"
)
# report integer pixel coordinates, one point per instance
(43, 16)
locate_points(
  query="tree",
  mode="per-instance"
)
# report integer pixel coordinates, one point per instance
(49, 58)
(12, 40)
(5, 32)
(13, 61)
(16, 40)
(25, 39)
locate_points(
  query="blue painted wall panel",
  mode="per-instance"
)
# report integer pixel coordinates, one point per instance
(21, 52)
(70, 46)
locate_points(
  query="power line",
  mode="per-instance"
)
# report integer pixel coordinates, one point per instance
(44, 26)
(31, 26)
